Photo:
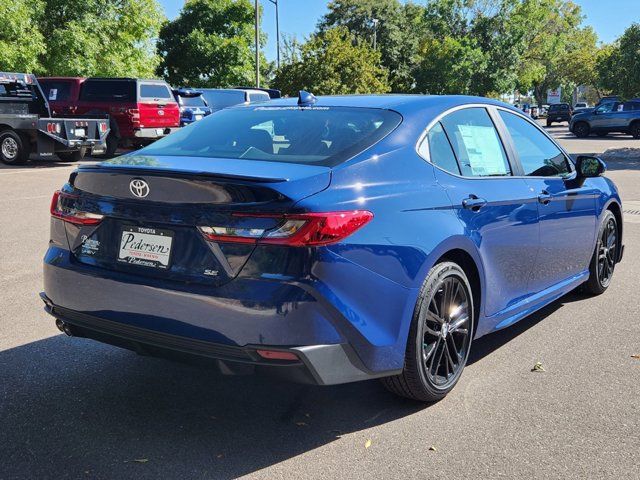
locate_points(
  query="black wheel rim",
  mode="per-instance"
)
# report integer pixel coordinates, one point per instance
(445, 333)
(607, 250)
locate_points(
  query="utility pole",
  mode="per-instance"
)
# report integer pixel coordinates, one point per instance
(257, 46)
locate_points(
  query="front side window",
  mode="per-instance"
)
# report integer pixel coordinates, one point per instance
(605, 108)
(319, 136)
(538, 155)
(476, 143)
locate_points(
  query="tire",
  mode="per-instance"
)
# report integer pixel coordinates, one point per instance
(604, 256)
(549, 123)
(426, 345)
(13, 149)
(112, 146)
(581, 130)
(72, 156)
(635, 130)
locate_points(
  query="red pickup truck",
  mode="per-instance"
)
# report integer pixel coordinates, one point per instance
(140, 111)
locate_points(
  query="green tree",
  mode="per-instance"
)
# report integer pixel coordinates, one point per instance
(396, 32)
(21, 43)
(618, 65)
(101, 38)
(211, 44)
(333, 62)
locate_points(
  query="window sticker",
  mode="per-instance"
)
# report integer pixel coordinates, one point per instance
(53, 94)
(483, 150)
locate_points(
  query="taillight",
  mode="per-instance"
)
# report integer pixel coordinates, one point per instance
(294, 230)
(103, 127)
(63, 207)
(54, 127)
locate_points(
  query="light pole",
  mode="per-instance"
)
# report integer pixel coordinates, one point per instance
(275, 2)
(257, 46)
(375, 32)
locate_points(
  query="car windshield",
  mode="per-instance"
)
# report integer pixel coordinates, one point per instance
(316, 135)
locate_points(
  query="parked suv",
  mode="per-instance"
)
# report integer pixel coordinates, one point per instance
(193, 106)
(609, 117)
(558, 112)
(140, 111)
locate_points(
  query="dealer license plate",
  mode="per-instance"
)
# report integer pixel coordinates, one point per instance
(146, 247)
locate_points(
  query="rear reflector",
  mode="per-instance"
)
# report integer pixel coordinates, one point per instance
(294, 230)
(277, 355)
(63, 207)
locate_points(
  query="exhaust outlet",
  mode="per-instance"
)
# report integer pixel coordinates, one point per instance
(64, 328)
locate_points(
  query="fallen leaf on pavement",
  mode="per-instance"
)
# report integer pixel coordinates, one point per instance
(141, 460)
(538, 367)
(367, 444)
(433, 448)
(301, 424)
(637, 357)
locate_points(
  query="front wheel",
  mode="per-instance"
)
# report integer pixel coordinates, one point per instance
(605, 256)
(581, 129)
(439, 338)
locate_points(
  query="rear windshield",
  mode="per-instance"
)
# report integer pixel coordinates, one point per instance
(318, 135)
(559, 107)
(192, 101)
(108, 90)
(223, 98)
(56, 90)
(154, 90)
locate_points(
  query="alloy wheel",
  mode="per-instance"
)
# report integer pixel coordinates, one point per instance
(446, 330)
(607, 252)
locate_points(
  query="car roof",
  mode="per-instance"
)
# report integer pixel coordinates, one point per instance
(402, 103)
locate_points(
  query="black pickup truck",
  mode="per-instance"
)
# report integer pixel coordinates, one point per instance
(26, 125)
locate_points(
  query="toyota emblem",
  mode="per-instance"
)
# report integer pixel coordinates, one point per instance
(139, 188)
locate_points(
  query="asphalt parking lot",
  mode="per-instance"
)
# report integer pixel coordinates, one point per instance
(73, 408)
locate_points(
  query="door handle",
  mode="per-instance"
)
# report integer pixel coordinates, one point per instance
(473, 203)
(544, 197)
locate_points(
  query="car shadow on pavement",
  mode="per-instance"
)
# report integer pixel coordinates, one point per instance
(74, 408)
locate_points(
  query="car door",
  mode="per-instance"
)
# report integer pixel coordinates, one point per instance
(566, 210)
(498, 211)
(604, 117)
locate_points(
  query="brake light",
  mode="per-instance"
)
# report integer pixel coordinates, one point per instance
(294, 230)
(62, 207)
(54, 127)
(103, 127)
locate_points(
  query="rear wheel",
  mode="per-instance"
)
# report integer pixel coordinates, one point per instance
(439, 338)
(635, 130)
(581, 129)
(605, 256)
(549, 122)
(13, 150)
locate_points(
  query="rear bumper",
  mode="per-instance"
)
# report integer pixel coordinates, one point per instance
(316, 364)
(151, 133)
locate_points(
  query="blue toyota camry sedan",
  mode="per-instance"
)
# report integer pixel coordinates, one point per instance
(331, 239)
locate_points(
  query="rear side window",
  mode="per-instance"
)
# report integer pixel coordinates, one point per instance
(440, 152)
(56, 91)
(538, 155)
(108, 90)
(319, 135)
(476, 143)
(154, 90)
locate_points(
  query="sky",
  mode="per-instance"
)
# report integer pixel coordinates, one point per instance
(609, 18)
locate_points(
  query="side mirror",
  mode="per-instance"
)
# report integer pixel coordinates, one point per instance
(589, 167)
